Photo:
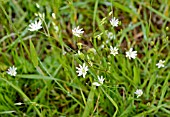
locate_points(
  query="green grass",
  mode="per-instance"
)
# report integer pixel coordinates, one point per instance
(47, 84)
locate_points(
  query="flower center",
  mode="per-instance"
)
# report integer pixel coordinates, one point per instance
(83, 70)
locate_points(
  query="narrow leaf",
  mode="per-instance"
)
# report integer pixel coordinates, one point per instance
(89, 105)
(34, 57)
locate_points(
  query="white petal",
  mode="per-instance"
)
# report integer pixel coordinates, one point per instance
(96, 84)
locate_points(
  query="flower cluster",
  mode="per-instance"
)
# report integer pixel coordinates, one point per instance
(130, 54)
(78, 32)
(82, 71)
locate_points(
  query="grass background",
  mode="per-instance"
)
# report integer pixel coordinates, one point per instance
(47, 83)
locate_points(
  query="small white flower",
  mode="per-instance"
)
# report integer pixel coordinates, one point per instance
(138, 92)
(114, 50)
(96, 84)
(110, 35)
(12, 71)
(77, 31)
(160, 64)
(114, 22)
(35, 26)
(82, 70)
(100, 81)
(131, 54)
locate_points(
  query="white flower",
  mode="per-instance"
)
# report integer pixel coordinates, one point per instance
(12, 71)
(82, 70)
(100, 81)
(131, 54)
(96, 84)
(35, 26)
(138, 92)
(160, 64)
(114, 50)
(110, 35)
(114, 22)
(77, 32)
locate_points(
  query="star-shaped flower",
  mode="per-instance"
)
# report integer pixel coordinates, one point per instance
(35, 26)
(82, 70)
(131, 54)
(100, 81)
(114, 22)
(12, 71)
(160, 64)
(77, 31)
(114, 50)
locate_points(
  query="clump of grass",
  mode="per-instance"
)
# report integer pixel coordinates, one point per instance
(84, 58)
